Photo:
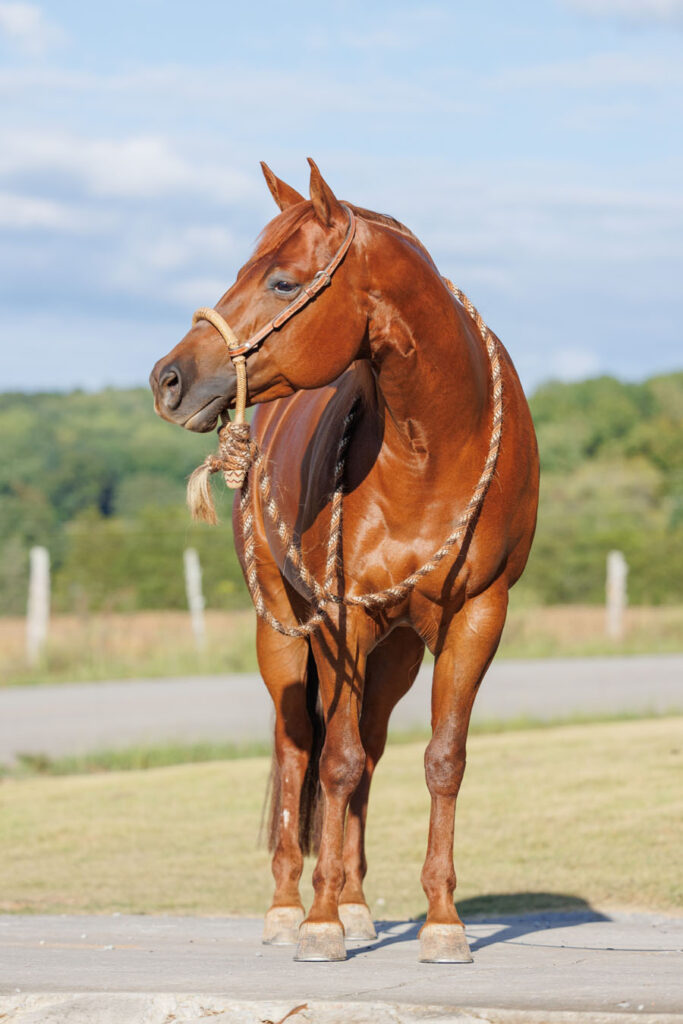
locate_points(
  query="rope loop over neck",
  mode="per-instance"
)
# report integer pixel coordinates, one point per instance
(237, 452)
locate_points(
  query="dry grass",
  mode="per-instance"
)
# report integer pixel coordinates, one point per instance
(573, 630)
(116, 646)
(549, 818)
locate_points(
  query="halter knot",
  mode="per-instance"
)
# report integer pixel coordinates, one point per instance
(236, 453)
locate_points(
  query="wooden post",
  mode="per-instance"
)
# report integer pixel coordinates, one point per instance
(617, 571)
(38, 608)
(195, 598)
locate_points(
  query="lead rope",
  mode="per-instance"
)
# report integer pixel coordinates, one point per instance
(237, 454)
(235, 446)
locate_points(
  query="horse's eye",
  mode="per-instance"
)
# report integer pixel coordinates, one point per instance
(285, 287)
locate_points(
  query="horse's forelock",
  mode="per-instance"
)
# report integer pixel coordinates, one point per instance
(280, 228)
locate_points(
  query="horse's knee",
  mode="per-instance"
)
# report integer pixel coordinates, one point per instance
(444, 766)
(342, 766)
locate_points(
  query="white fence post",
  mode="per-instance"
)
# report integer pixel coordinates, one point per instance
(38, 608)
(195, 598)
(617, 571)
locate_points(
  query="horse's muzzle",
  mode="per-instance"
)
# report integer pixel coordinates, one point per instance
(195, 404)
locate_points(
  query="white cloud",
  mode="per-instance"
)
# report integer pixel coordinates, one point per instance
(26, 28)
(180, 266)
(209, 92)
(408, 29)
(665, 12)
(597, 70)
(20, 212)
(138, 167)
(199, 291)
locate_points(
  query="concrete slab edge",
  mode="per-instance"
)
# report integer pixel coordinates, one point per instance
(164, 1008)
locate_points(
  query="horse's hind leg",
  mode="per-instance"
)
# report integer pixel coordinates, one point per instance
(465, 653)
(283, 662)
(390, 672)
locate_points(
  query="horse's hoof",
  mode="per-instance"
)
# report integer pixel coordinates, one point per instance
(321, 940)
(357, 921)
(281, 926)
(444, 944)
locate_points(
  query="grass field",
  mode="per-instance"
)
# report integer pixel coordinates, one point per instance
(561, 817)
(160, 643)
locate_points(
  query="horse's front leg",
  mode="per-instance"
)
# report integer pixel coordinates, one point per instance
(283, 663)
(390, 672)
(469, 644)
(341, 670)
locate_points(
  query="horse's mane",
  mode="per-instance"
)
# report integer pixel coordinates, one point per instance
(279, 230)
(388, 222)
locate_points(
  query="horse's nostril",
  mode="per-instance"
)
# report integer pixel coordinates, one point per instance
(170, 384)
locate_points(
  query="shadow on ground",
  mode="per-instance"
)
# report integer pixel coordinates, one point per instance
(518, 914)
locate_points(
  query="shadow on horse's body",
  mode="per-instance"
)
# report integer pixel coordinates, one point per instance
(388, 340)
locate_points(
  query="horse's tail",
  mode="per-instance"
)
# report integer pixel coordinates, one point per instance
(310, 805)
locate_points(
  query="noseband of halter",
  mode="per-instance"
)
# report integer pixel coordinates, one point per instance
(233, 439)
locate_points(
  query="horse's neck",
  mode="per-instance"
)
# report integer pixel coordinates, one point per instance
(432, 376)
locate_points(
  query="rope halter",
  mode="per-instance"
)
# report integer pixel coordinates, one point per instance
(237, 451)
(235, 448)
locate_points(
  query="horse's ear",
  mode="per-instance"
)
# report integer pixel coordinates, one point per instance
(326, 205)
(283, 194)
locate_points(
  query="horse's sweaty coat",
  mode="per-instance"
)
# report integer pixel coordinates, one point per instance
(387, 343)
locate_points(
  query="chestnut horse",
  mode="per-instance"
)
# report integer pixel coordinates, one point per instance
(388, 339)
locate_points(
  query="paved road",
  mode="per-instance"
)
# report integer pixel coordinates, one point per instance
(78, 717)
(156, 969)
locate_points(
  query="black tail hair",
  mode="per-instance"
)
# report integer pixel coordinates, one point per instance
(310, 806)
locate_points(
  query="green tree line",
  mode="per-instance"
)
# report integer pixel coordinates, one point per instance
(100, 481)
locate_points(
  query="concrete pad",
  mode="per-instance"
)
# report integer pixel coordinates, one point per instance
(540, 967)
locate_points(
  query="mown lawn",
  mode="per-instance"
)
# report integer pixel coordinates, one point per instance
(547, 818)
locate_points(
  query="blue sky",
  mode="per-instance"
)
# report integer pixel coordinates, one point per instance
(535, 148)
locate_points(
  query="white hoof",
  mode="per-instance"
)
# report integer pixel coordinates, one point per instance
(281, 926)
(321, 941)
(357, 921)
(444, 944)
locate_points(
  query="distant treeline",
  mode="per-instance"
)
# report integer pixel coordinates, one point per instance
(100, 481)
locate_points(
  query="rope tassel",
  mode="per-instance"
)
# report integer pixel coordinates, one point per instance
(233, 461)
(199, 497)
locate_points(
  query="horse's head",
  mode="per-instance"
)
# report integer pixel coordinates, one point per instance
(195, 383)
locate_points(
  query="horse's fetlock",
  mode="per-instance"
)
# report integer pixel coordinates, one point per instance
(287, 870)
(330, 878)
(435, 880)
